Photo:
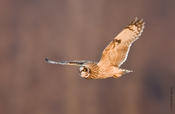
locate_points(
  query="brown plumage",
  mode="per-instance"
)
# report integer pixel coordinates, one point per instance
(113, 55)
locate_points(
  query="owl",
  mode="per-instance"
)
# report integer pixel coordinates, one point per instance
(113, 55)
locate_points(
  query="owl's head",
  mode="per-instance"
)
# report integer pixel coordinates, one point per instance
(85, 71)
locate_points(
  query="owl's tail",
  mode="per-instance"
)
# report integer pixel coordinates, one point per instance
(122, 72)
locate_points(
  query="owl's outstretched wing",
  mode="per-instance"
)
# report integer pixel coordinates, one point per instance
(74, 62)
(116, 52)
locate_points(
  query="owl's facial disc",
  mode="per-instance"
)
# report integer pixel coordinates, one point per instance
(84, 71)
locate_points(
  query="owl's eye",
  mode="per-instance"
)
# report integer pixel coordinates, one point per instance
(85, 69)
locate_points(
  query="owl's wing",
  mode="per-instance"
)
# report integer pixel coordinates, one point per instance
(74, 62)
(116, 52)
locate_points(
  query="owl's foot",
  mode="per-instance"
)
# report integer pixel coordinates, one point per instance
(121, 73)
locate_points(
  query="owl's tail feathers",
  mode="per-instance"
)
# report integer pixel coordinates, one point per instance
(122, 72)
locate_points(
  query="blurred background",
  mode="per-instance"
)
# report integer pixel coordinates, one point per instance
(31, 30)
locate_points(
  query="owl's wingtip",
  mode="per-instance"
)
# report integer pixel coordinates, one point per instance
(46, 59)
(51, 62)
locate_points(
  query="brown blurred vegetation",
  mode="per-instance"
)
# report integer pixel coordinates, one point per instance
(31, 30)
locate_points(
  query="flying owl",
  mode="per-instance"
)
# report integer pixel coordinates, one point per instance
(113, 55)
